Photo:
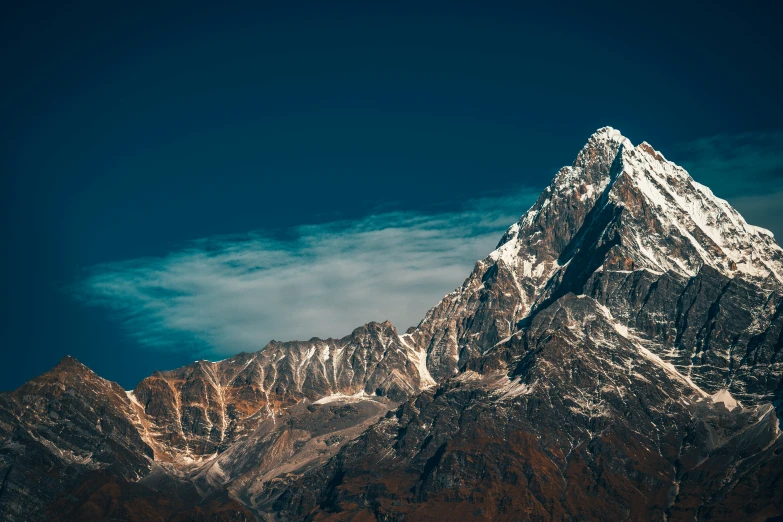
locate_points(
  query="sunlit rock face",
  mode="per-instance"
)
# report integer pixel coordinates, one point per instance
(639, 235)
(60, 428)
(199, 410)
(617, 357)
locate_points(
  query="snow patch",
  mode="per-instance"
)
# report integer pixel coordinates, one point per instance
(356, 397)
(515, 388)
(723, 396)
(670, 369)
(419, 359)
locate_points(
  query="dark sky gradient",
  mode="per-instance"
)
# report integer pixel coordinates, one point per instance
(127, 130)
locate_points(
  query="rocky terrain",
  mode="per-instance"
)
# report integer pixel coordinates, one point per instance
(619, 356)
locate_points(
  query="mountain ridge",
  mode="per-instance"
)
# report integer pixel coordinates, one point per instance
(661, 304)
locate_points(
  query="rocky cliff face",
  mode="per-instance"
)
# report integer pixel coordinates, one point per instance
(634, 231)
(616, 357)
(59, 427)
(200, 410)
(576, 417)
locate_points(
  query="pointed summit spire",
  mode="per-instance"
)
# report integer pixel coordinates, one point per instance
(593, 163)
(609, 134)
(605, 139)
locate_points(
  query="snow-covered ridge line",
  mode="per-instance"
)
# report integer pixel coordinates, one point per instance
(729, 244)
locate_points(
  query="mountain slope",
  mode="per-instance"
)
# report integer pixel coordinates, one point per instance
(573, 418)
(686, 299)
(614, 357)
(57, 428)
(621, 224)
(196, 411)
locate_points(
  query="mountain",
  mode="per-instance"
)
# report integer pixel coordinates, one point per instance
(197, 411)
(618, 356)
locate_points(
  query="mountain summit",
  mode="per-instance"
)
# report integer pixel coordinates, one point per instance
(669, 221)
(617, 356)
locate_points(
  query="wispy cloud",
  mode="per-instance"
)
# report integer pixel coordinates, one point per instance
(227, 294)
(222, 295)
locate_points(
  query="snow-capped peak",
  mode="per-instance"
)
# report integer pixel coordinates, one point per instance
(686, 225)
(670, 221)
(609, 134)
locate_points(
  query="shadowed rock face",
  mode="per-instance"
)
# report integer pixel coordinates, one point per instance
(613, 359)
(101, 496)
(572, 418)
(634, 231)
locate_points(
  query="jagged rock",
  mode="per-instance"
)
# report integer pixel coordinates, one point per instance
(58, 427)
(613, 358)
(199, 410)
(576, 417)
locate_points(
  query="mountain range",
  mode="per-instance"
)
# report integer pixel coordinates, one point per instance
(618, 356)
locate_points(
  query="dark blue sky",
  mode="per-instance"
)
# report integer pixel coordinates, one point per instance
(128, 130)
